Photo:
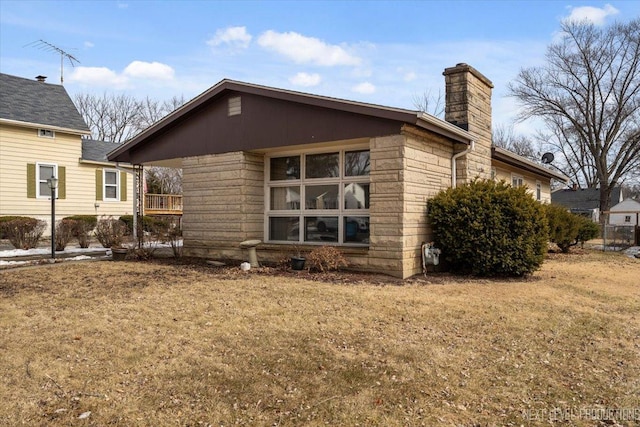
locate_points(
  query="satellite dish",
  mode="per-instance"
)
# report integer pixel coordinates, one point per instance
(547, 158)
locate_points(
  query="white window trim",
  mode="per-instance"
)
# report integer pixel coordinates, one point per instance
(41, 131)
(538, 191)
(301, 213)
(38, 180)
(519, 178)
(104, 185)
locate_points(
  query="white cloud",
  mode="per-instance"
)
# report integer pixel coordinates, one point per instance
(364, 88)
(88, 45)
(305, 79)
(306, 50)
(409, 77)
(97, 76)
(595, 15)
(236, 37)
(149, 70)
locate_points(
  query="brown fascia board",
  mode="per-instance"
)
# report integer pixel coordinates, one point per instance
(390, 113)
(514, 159)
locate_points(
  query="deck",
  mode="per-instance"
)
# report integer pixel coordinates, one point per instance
(163, 204)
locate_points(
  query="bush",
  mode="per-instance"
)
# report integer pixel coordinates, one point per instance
(148, 223)
(488, 228)
(64, 233)
(588, 230)
(5, 219)
(563, 226)
(110, 232)
(325, 258)
(23, 232)
(83, 226)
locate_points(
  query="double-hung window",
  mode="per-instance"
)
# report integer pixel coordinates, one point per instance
(318, 198)
(111, 182)
(517, 181)
(44, 171)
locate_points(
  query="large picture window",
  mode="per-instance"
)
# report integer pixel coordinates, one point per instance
(319, 198)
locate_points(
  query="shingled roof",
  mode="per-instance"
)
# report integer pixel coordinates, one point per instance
(38, 103)
(583, 198)
(96, 151)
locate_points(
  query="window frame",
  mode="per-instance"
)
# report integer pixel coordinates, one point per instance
(539, 191)
(46, 133)
(517, 178)
(301, 213)
(40, 181)
(105, 185)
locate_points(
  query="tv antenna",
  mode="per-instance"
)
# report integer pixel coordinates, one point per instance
(48, 47)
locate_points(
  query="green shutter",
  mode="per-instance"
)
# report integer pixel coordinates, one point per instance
(31, 180)
(99, 184)
(62, 182)
(123, 186)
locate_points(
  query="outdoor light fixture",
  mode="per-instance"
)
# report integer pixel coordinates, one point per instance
(53, 184)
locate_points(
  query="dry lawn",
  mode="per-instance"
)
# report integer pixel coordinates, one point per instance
(150, 344)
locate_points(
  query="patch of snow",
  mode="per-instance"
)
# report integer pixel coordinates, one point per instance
(13, 262)
(12, 253)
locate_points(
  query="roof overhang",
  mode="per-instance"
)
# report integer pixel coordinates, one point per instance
(399, 115)
(106, 164)
(506, 156)
(44, 126)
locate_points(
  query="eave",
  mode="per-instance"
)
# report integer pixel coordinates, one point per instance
(512, 159)
(44, 126)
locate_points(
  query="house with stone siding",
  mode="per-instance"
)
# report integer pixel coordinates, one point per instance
(291, 168)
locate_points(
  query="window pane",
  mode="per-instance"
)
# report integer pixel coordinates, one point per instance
(356, 229)
(284, 228)
(110, 192)
(285, 198)
(110, 178)
(322, 165)
(321, 229)
(283, 168)
(356, 196)
(321, 197)
(46, 172)
(356, 163)
(44, 189)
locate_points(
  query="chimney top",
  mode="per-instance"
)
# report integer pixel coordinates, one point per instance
(41, 79)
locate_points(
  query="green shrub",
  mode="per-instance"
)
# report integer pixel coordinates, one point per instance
(489, 228)
(23, 232)
(148, 223)
(563, 226)
(588, 230)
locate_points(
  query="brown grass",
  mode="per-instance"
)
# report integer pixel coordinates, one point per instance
(147, 344)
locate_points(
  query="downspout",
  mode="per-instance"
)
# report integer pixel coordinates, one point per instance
(454, 171)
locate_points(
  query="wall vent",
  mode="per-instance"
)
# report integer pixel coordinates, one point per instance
(235, 106)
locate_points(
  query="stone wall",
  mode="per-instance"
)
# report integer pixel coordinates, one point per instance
(224, 204)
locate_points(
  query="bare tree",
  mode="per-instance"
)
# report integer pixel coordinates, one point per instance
(430, 103)
(588, 95)
(506, 137)
(117, 118)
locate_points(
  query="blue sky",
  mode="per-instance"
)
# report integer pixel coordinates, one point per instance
(381, 52)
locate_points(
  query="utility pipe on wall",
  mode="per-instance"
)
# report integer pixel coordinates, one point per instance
(454, 171)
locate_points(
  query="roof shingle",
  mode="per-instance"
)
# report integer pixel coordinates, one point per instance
(30, 101)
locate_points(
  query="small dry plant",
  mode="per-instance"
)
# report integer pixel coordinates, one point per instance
(326, 258)
(110, 232)
(64, 233)
(24, 232)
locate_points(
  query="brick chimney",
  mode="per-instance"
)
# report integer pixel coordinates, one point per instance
(468, 106)
(41, 79)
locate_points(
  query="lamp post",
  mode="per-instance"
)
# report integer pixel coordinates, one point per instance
(53, 184)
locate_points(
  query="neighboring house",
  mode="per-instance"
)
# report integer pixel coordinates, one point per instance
(41, 136)
(290, 168)
(625, 213)
(584, 201)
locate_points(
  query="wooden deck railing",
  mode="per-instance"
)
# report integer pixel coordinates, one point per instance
(163, 204)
